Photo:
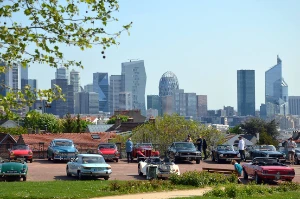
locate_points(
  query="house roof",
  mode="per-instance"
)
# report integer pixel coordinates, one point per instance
(4, 136)
(98, 128)
(81, 140)
(125, 126)
(2, 122)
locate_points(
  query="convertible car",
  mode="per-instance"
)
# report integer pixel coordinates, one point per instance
(89, 165)
(267, 151)
(61, 149)
(20, 151)
(109, 151)
(183, 151)
(225, 153)
(13, 169)
(143, 150)
(154, 167)
(266, 169)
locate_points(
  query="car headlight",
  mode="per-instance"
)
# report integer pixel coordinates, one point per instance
(221, 155)
(56, 152)
(238, 155)
(109, 167)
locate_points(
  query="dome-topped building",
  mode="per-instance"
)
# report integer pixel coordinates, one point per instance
(168, 83)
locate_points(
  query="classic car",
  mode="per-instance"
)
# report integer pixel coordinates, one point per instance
(143, 150)
(109, 151)
(266, 169)
(183, 151)
(88, 165)
(21, 151)
(154, 167)
(61, 149)
(266, 151)
(13, 169)
(296, 157)
(225, 153)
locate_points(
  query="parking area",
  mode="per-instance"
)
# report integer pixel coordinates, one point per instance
(44, 170)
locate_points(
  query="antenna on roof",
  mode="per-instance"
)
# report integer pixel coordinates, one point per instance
(133, 60)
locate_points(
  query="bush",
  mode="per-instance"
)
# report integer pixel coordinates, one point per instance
(201, 179)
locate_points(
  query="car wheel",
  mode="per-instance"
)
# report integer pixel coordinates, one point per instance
(217, 159)
(197, 161)
(212, 157)
(67, 171)
(245, 174)
(30, 160)
(257, 179)
(117, 160)
(24, 178)
(80, 177)
(296, 159)
(139, 171)
(106, 178)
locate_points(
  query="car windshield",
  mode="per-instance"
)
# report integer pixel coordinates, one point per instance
(185, 145)
(63, 143)
(266, 161)
(225, 148)
(107, 146)
(144, 145)
(266, 148)
(93, 160)
(20, 147)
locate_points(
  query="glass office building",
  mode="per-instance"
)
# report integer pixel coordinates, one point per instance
(246, 92)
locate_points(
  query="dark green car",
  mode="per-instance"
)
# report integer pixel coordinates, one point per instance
(13, 169)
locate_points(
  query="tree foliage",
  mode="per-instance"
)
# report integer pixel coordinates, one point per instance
(13, 130)
(112, 120)
(172, 128)
(33, 31)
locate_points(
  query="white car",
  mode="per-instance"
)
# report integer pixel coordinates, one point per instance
(92, 165)
(154, 167)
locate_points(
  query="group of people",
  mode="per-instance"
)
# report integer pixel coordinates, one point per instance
(201, 144)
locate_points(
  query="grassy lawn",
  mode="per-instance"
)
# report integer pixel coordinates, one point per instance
(75, 189)
(286, 195)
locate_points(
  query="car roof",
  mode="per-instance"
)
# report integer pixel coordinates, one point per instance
(89, 155)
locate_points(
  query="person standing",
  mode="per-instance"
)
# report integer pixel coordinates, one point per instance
(204, 145)
(241, 147)
(199, 143)
(129, 147)
(188, 139)
(291, 149)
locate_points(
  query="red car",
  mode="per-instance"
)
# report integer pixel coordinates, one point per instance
(267, 169)
(109, 151)
(143, 150)
(21, 151)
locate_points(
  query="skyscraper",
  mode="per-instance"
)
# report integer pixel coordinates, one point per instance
(294, 105)
(62, 73)
(16, 77)
(134, 80)
(75, 80)
(101, 86)
(86, 103)
(246, 92)
(201, 105)
(153, 102)
(276, 91)
(125, 100)
(168, 83)
(115, 87)
(24, 76)
(5, 80)
(33, 84)
(88, 88)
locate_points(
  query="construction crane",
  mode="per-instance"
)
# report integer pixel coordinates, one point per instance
(133, 60)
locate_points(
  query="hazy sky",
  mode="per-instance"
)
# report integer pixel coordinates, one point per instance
(203, 42)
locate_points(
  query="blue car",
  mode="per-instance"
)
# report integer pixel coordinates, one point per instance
(61, 149)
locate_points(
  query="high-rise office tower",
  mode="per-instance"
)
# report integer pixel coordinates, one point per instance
(16, 77)
(24, 76)
(125, 100)
(88, 88)
(178, 103)
(115, 87)
(86, 103)
(101, 86)
(134, 80)
(153, 102)
(168, 83)
(191, 104)
(294, 105)
(5, 80)
(75, 80)
(62, 73)
(33, 84)
(276, 91)
(246, 92)
(201, 105)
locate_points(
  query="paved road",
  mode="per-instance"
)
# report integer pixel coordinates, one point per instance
(44, 170)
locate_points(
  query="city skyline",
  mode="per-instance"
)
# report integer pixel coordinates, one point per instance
(210, 42)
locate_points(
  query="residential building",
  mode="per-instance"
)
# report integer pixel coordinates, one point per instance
(276, 91)
(246, 92)
(294, 105)
(115, 87)
(125, 101)
(88, 88)
(86, 103)
(75, 80)
(101, 86)
(153, 102)
(201, 105)
(134, 80)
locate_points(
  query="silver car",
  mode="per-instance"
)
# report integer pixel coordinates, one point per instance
(89, 165)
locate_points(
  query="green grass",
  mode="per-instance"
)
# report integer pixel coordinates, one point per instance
(78, 189)
(285, 195)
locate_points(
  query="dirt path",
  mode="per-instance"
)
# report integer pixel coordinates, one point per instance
(161, 195)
